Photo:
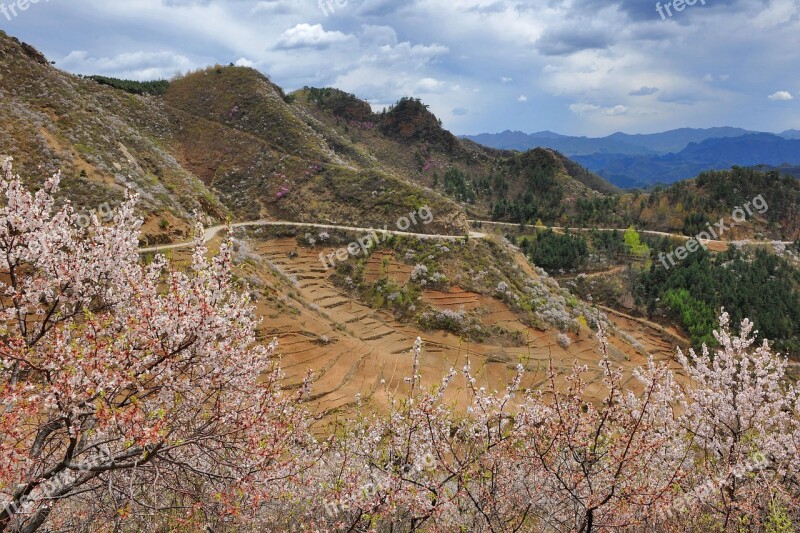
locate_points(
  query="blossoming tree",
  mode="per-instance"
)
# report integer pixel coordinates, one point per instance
(127, 390)
(745, 419)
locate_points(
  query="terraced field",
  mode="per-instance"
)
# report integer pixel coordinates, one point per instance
(353, 349)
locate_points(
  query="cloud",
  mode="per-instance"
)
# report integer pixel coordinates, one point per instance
(460, 111)
(132, 65)
(308, 36)
(407, 51)
(781, 96)
(587, 109)
(605, 58)
(494, 7)
(522, 98)
(378, 35)
(644, 91)
(616, 110)
(273, 7)
(642, 11)
(381, 8)
(570, 40)
(429, 85)
(778, 12)
(581, 109)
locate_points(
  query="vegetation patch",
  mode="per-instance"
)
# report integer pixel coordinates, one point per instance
(156, 87)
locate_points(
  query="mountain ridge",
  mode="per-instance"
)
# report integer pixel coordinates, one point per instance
(643, 160)
(660, 142)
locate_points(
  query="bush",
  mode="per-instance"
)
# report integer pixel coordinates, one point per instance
(563, 340)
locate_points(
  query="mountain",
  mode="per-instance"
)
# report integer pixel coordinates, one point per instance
(517, 140)
(676, 140)
(222, 142)
(711, 154)
(785, 169)
(617, 143)
(227, 144)
(631, 161)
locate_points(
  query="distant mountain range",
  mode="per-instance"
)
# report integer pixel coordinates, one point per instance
(644, 160)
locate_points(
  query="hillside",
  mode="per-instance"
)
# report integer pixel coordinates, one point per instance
(229, 144)
(222, 142)
(687, 206)
(408, 140)
(104, 141)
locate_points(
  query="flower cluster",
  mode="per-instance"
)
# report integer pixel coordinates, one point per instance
(420, 273)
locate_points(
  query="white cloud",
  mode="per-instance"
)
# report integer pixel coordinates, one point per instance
(522, 98)
(581, 109)
(406, 50)
(379, 35)
(308, 36)
(616, 110)
(133, 65)
(506, 80)
(244, 62)
(781, 96)
(429, 85)
(777, 12)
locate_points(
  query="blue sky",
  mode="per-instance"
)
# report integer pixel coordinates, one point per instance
(579, 67)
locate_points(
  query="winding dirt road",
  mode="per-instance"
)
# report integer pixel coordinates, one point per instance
(212, 232)
(641, 232)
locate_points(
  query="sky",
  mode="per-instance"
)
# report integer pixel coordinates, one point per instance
(576, 67)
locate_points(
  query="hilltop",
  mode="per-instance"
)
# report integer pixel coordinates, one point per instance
(408, 140)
